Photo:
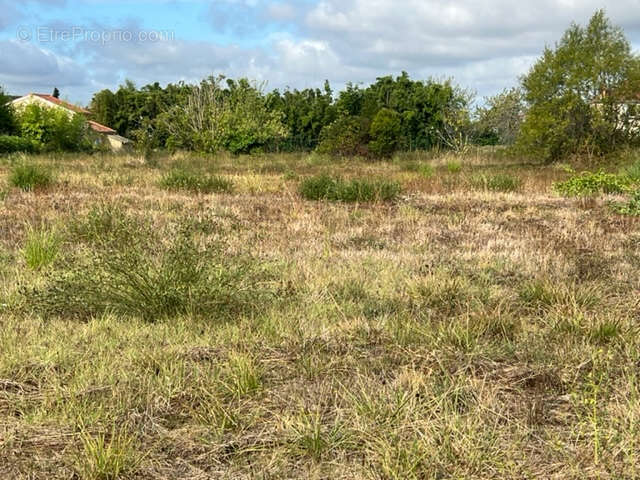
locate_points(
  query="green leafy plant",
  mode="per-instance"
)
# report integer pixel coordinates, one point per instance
(29, 177)
(632, 207)
(591, 183)
(324, 187)
(11, 143)
(385, 132)
(180, 179)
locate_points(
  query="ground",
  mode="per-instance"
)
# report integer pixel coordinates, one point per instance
(453, 332)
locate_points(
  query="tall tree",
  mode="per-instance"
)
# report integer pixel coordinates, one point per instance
(576, 92)
(7, 117)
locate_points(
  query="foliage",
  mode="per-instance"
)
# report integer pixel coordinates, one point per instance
(498, 121)
(7, 115)
(233, 118)
(385, 133)
(12, 143)
(575, 90)
(632, 207)
(633, 171)
(335, 189)
(499, 182)
(54, 129)
(181, 179)
(30, 176)
(589, 183)
(346, 136)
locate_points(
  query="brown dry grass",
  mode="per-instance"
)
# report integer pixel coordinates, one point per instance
(454, 333)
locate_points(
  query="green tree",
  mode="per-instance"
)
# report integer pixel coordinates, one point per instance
(53, 129)
(385, 132)
(7, 116)
(498, 121)
(576, 91)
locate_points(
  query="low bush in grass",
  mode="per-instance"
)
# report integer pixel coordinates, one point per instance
(324, 187)
(592, 183)
(11, 144)
(633, 172)
(180, 179)
(29, 177)
(144, 276)
(500, 182)
(632, 207)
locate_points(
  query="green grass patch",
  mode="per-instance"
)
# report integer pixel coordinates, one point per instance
(181, 179)
(499, 182)
(324, 187)
(41, 248)
(30, 176)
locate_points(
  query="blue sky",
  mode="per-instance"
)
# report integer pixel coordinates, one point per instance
(84, 46)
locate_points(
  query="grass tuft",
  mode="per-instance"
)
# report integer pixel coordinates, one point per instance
(30, 177)
(41, 248)
(181, 179)
(324, 187)
(499, 182)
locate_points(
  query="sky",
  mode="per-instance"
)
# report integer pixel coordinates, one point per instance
(82, 47)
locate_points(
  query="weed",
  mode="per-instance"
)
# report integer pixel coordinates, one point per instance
(327, 188)
(590, 183)
(500, 182)
(41, 248)
(454, 166)
(181, 179)
(243, 375)
(632, 207)
(107, 457)
(30, 176)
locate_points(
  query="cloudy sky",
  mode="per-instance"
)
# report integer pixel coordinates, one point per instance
(84, 46)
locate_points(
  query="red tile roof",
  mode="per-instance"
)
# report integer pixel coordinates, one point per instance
(62, 103)
(95, 126)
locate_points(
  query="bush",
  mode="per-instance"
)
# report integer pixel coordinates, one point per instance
(179, 179)
(385, 133)
(139, 275)
(500, 182)
(41, 248)
(327, 188)
(630, 208)
(30, 177)
(345, 137)
(590, 183)
(10, 144)
(54, 129)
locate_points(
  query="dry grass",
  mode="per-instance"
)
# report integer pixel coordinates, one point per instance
(453, 333)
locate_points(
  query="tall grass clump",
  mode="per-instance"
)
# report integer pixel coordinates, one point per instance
(181, 179)
(107, 457)
(134, 273)
(592, 183)
(41, 248)
(29, 177)
(324, 187)
(500, 182)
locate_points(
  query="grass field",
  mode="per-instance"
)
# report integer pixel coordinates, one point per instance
(196, 318)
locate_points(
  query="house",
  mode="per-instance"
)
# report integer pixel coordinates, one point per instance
(100, 133)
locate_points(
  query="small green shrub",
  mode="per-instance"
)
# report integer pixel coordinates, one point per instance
(633, 172)
(11, 144)
(41, 248)
(500, 182)
(591, 183)
(29, 177)
(632, 207)
(346, 136)
(180, 179)
(324, 187)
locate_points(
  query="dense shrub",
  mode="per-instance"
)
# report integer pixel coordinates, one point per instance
(29, 177)
(590, 183)
(180, 179)
(11, 143)
(53, 129)
(346, 136)
(385, 133)
(500, 182)
(7, 116)
(327, 188)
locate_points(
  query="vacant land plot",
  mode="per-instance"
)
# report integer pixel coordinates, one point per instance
(194, 318)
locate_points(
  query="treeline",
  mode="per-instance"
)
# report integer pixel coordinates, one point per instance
(241, 117)
(581, 96)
